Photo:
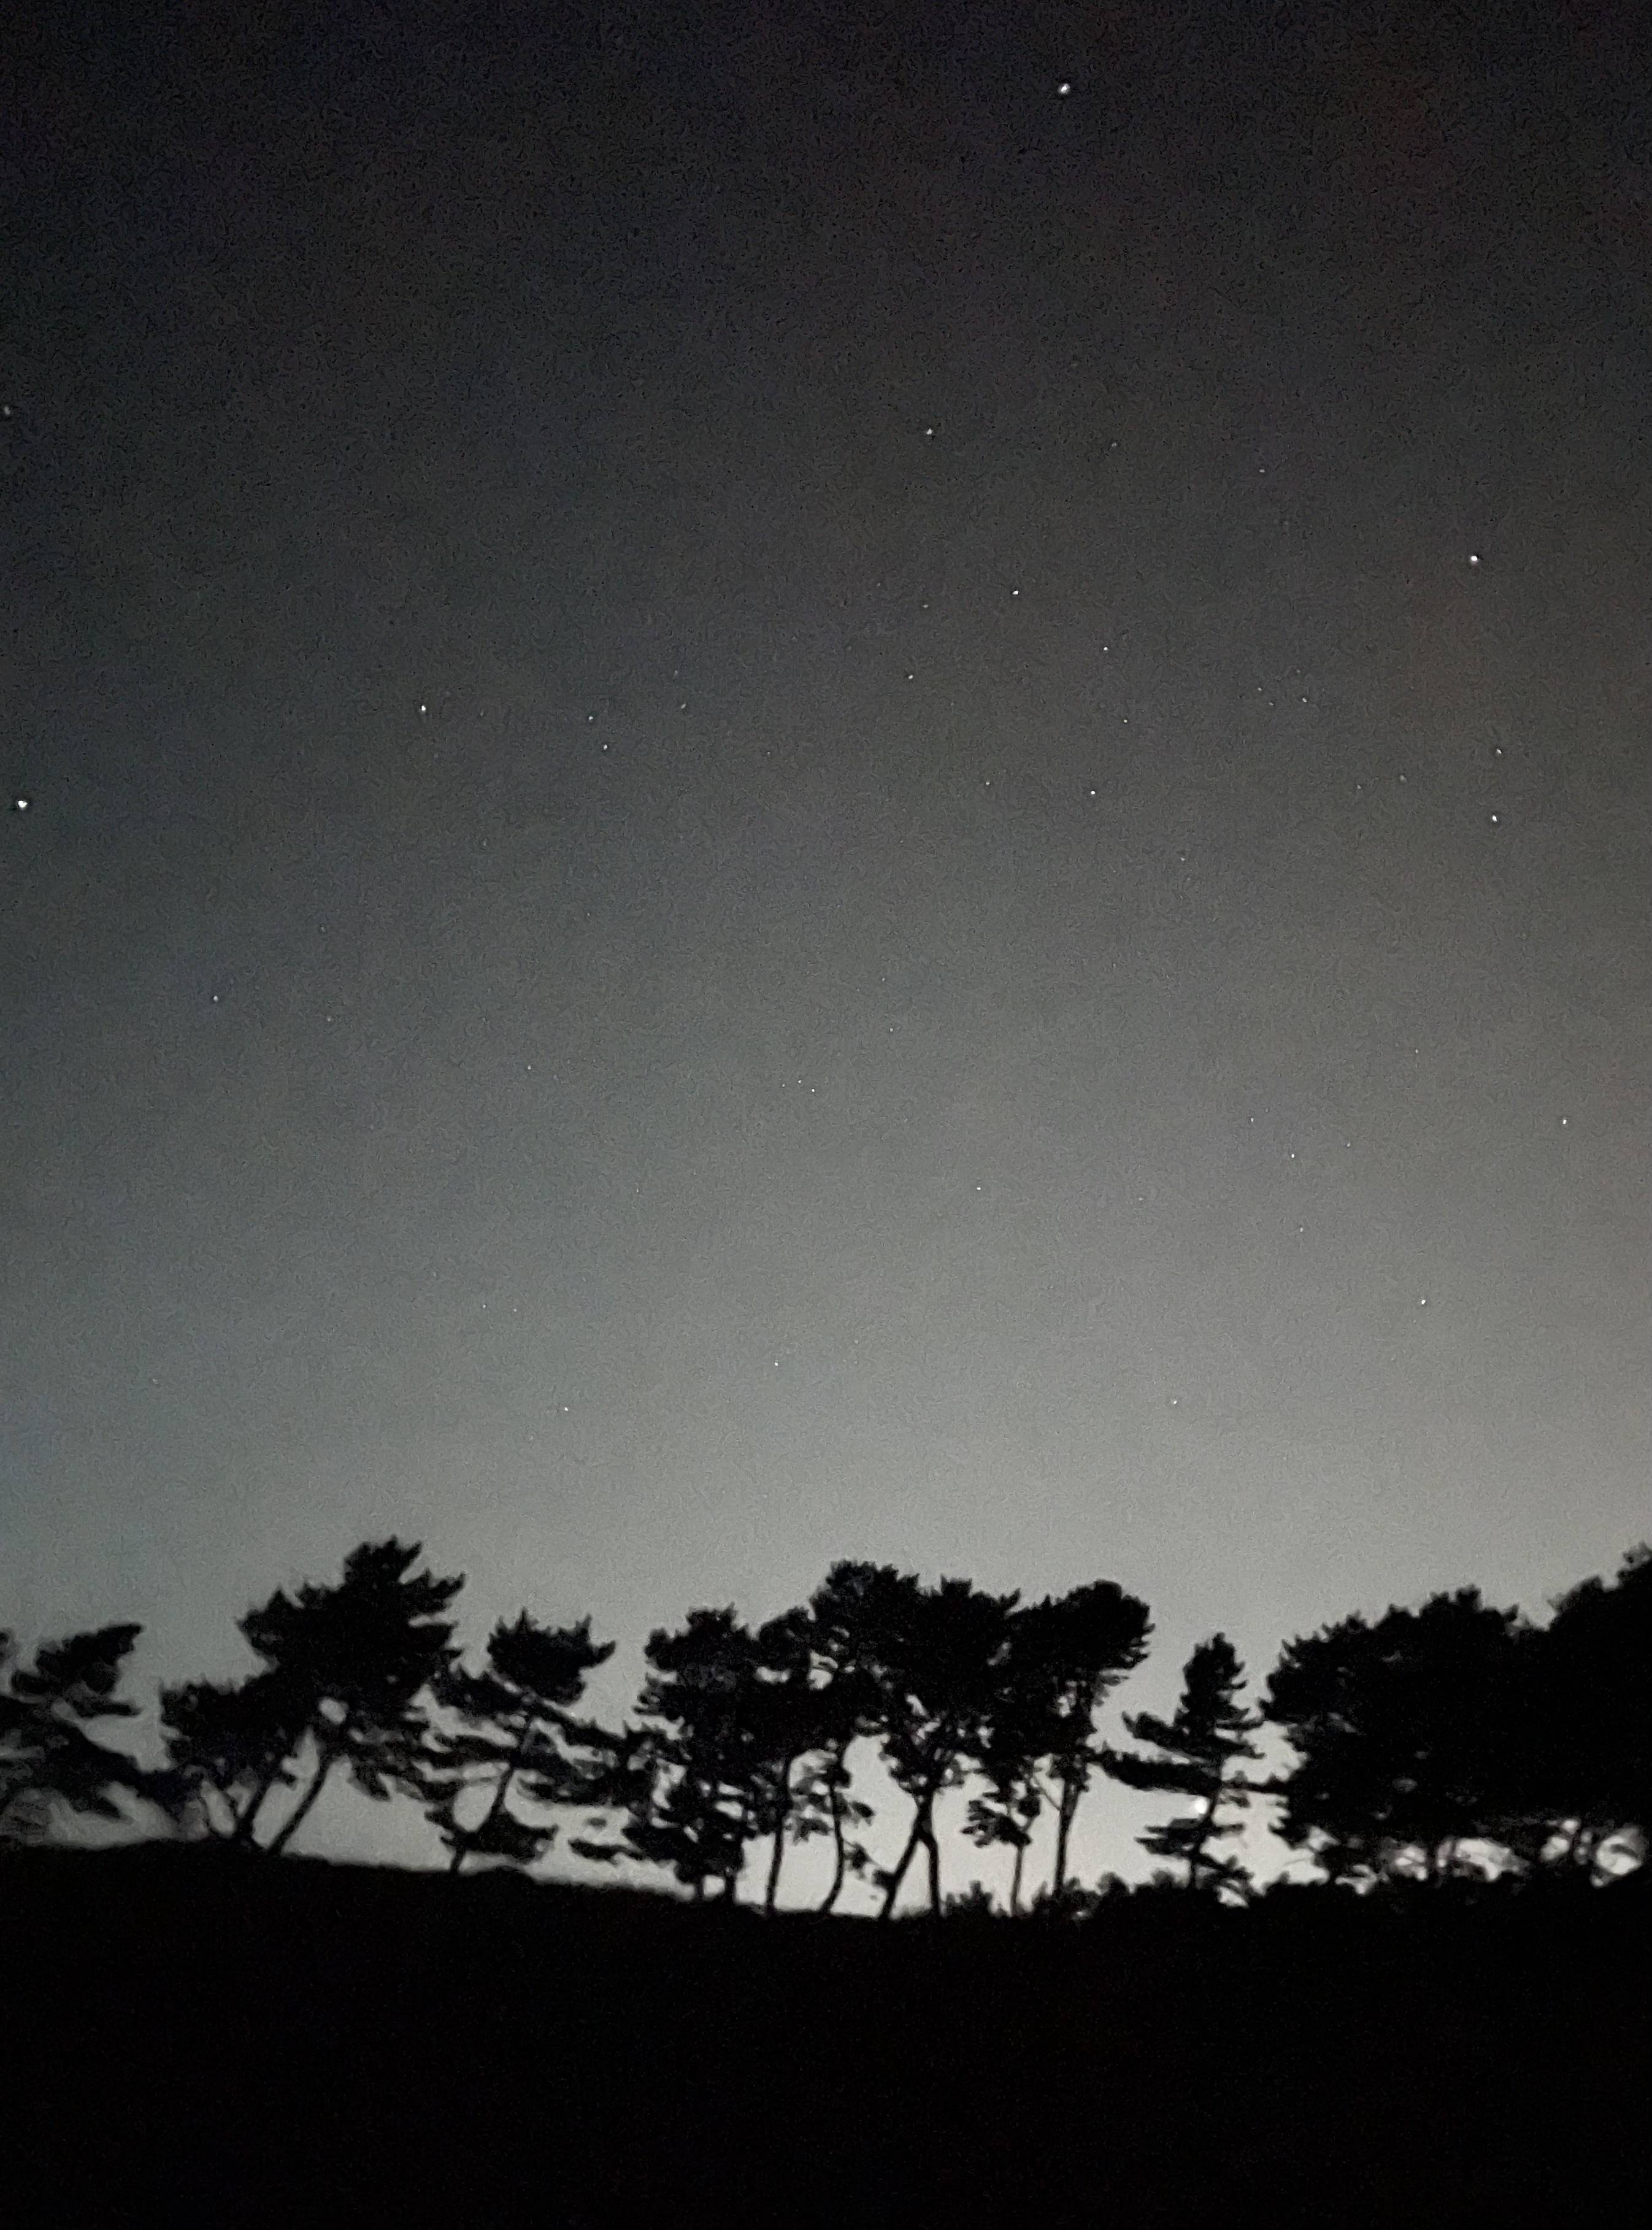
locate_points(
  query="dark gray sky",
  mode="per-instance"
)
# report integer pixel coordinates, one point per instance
(788, 798)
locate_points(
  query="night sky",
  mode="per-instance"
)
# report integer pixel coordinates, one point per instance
(803, 781)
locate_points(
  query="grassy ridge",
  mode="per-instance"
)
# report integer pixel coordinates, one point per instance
(202, 2039)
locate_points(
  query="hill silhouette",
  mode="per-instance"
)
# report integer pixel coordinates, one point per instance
(201, 2035)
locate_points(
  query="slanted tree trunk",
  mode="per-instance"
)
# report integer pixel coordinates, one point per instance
(461, 1850)
(840, 1847)
(771, 1888)
(893, 1889)
(201, 1792)
(1067, 1803)
(244, 1825)
(1015, 1879)
(330, 1757)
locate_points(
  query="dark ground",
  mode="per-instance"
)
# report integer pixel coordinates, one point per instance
(195, 2038)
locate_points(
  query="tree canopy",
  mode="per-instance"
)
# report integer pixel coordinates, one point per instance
(346, 1668)
(1449, 1737)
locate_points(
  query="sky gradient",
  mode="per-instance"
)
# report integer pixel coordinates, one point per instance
(790, 786)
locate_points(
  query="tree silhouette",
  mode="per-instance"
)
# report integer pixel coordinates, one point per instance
(346, 1667)
(1588, 1711)
(697, 1784)
(47, 1757)
(733, 1715)
(787, 1722)
(940, 1655)
(842, 1638)
(520, 1734)
(1008, 1763)
(233, 1741)
(1407, 1744)
(1208, 1732)
(1071, 1652)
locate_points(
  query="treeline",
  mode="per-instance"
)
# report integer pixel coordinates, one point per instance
(1452, 1739)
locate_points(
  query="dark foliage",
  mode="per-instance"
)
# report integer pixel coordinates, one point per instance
(48, 1762)
(346, 1669)
(518, 1733)
(1209, 1732)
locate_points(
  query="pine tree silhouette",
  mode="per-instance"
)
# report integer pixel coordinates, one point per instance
(844, 1618)
(1068, 1654)
(520, 1734)
(697, 1769)
(345, 1668)
(1409, 1736)
(941, 1653)
(47, 1758)
(1208, 1732)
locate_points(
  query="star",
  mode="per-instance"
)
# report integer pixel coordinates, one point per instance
(19, 804)
(1063, 89)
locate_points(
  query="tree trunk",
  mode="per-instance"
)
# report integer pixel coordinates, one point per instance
(839, 1844)
(219, 1834)
(461, 1851)
(933, 1849)
(900, 1874)
(1015, 1879)
(244, 1825)
(1201, 1841)
(329, 1758)
(772, 1889)
(1066, 1806)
